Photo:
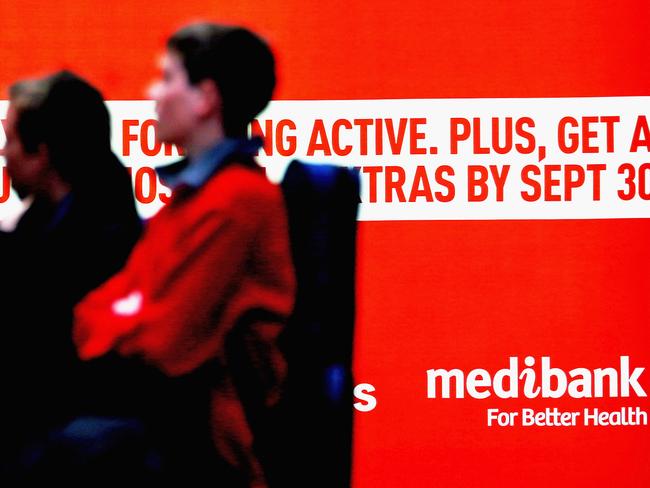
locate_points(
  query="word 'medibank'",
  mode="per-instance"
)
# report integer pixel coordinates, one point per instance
(549, 383)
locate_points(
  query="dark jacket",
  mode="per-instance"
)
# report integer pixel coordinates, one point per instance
(56, 254)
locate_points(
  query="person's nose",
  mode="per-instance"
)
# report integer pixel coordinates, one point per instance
(154, 90)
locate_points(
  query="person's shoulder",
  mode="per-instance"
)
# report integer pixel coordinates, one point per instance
(242, 184)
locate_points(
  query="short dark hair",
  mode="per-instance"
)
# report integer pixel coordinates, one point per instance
(239, 62)
(67, 115)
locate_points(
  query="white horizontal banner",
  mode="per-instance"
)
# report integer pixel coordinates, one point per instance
(448, 159)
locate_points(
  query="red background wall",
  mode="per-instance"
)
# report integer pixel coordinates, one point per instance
(461, 294)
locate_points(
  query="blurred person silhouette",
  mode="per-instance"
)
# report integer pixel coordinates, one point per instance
(77, 231)
(215, 261)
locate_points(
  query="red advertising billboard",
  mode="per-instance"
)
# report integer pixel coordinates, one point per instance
(502, 285)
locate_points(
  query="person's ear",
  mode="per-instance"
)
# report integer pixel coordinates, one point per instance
(42, 157)
(210, 98)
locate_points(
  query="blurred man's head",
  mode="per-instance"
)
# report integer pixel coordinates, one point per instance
(27, 160)
(58, 132)
(212, 73)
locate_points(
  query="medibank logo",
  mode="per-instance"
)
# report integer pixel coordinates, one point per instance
(549, 382)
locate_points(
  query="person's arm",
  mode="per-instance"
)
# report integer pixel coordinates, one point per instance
(176, 312)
